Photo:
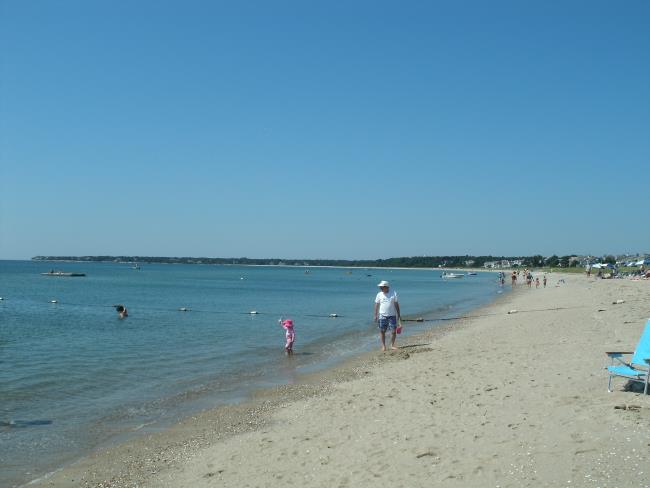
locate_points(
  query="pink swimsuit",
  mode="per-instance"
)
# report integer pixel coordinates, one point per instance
(290, 334)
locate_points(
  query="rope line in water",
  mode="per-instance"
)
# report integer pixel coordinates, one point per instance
(332, 315)
(420, 319)
(193, 310)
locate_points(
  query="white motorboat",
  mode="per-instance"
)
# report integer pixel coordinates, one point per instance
(446, 275)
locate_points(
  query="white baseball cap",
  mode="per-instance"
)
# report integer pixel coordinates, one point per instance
(383, 283)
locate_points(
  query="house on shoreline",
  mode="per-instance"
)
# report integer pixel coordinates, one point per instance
(503, 263)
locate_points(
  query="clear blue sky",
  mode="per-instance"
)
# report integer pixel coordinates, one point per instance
(324, 129)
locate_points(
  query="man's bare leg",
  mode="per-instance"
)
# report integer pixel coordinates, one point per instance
(392, 339)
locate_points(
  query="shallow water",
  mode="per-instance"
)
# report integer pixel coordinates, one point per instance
(73, 376)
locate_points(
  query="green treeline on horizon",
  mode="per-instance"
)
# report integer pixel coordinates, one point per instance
(397, 262)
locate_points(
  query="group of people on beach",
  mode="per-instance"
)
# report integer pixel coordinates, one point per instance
(527, 276)
(387, 315)
(612, 271)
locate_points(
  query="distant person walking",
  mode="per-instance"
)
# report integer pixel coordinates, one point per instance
(544, 281)
(513, 278)
(386, 313)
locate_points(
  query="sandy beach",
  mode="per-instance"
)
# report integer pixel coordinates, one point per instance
(495, 400)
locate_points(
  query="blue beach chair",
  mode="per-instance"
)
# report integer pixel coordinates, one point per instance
(637, 368)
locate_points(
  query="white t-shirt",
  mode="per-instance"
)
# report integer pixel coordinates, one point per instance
(387, 303)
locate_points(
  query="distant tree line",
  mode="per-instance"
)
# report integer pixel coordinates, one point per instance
(554, 261)
(536, 261)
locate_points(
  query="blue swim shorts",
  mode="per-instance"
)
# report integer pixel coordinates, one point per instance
(387, 323)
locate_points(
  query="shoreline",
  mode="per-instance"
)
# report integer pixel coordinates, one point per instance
(487, 270)
(433, 361)
(260, 401)
(112, 423)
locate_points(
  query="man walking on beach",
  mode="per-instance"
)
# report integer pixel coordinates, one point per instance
(387, 313)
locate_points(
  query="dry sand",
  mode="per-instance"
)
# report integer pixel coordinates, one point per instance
(498, 400)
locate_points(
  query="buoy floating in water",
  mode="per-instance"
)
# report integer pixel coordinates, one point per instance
(184, 309)
(54, 301)
(253, 312)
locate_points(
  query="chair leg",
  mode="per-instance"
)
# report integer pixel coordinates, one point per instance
(609, 384)
(645, 387)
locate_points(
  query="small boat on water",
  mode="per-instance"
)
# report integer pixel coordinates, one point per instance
(446, 275)
(62, 273)
(472, 273)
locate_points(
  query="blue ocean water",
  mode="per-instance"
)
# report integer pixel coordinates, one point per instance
(73, 376)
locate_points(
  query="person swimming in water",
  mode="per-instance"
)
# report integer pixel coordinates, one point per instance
(122, 312)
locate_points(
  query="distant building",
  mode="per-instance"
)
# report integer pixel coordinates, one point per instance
(585, 260)
(469, 262)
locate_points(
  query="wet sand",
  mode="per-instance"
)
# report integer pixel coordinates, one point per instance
(501, 399)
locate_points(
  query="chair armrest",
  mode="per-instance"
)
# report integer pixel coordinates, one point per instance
(618, 353)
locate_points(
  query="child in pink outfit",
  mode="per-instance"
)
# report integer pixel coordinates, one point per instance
(290, 334)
